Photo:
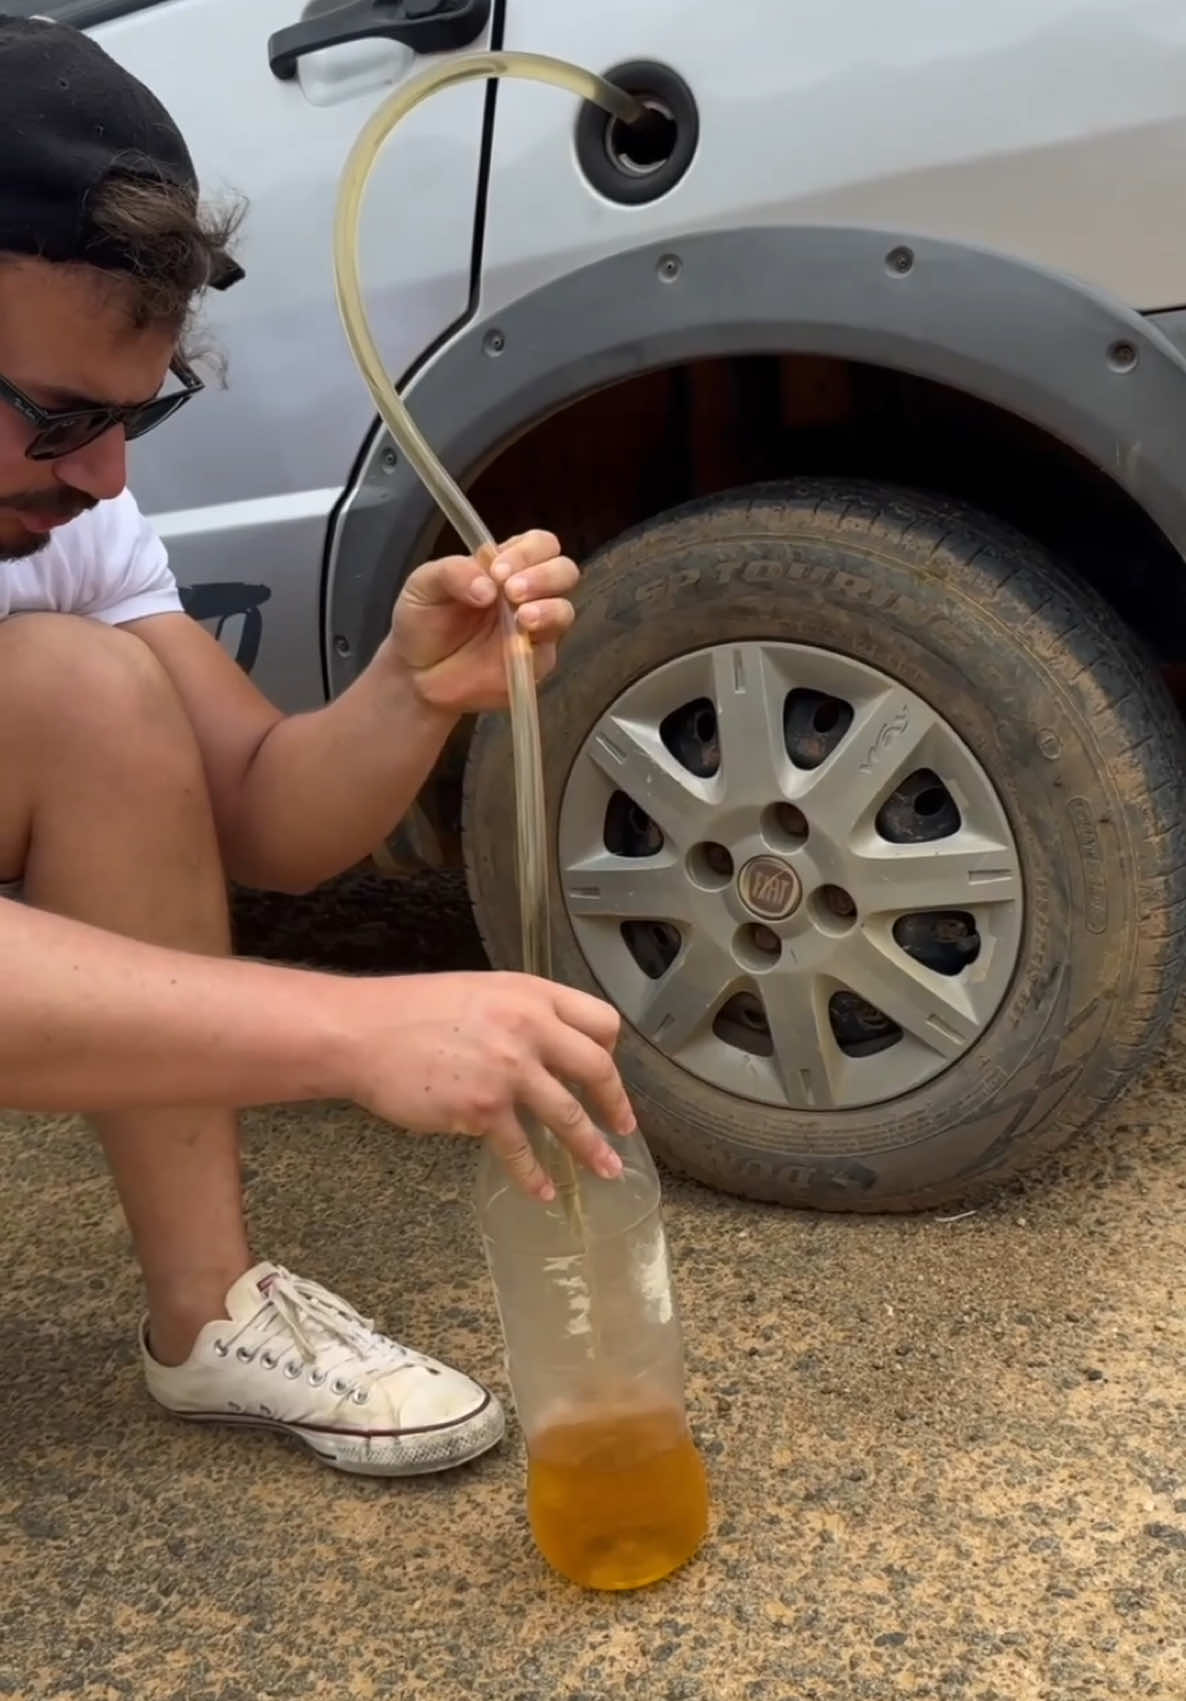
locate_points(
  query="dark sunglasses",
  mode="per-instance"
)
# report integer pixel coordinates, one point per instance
(61, 431)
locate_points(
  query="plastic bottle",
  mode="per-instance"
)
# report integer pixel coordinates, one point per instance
(616, 1491)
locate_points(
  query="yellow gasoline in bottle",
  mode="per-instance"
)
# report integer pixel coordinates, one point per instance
(617, 1495)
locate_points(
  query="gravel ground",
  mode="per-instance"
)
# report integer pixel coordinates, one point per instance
(366, 924)
(948, 1458)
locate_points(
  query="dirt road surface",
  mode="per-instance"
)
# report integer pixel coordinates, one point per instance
(948, 1458)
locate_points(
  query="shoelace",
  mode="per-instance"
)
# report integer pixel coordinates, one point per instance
(326, 1331)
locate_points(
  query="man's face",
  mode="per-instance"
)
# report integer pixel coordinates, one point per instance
(66, 341)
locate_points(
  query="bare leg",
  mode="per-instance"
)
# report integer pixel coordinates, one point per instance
(105, 808)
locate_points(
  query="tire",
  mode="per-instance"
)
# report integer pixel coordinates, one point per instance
(1074, 731)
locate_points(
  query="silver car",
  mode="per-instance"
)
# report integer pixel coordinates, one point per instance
(857, 381)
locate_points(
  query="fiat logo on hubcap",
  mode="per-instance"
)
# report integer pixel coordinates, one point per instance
(769, 887)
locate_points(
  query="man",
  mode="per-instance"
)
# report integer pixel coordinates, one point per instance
(141, 768)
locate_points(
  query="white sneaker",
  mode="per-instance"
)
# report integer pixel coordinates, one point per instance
(291, 1356)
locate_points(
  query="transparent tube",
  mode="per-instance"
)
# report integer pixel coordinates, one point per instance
(531, 847)
(531, 819)
(616, 1489)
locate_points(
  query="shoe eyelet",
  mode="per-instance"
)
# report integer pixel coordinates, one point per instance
(337, 1386)
(244, 1354)
(268, 1362)
(316, 1378)
(360, 1396)
(292, 1369)
(233, 1406)
(221, 1348)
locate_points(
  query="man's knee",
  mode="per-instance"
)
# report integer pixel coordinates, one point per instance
(78, 685)
(105, 812)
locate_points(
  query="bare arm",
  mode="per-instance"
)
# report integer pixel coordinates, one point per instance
(89, 1020)
(299, 798)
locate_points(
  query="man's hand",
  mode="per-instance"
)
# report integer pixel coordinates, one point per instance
(90, 1018)
(463, 1052)
(445, 629)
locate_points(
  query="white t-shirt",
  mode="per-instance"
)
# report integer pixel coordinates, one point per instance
(108, 564)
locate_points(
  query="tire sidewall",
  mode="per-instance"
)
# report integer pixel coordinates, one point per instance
(949, 629)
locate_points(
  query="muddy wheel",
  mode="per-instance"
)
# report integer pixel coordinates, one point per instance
(866, 818)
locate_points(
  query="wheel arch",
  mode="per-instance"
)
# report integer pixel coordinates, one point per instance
(1093, 374)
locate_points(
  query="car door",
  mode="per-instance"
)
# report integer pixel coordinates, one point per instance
(242, 484)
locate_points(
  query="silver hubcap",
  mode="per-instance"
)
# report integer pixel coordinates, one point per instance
(791, 875)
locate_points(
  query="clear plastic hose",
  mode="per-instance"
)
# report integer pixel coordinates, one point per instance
(531, 830)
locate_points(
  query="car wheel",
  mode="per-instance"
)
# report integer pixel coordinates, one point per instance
(865, 817)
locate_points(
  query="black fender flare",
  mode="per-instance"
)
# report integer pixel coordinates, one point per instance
(1089, 370)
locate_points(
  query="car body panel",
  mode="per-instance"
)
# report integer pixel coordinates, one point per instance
(1051, 130)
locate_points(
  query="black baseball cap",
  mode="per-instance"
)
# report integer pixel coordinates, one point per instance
(70, 117)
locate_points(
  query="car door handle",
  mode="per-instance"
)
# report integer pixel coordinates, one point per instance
(426, 26)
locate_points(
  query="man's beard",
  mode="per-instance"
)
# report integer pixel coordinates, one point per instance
(68, 504)
(30, 544)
